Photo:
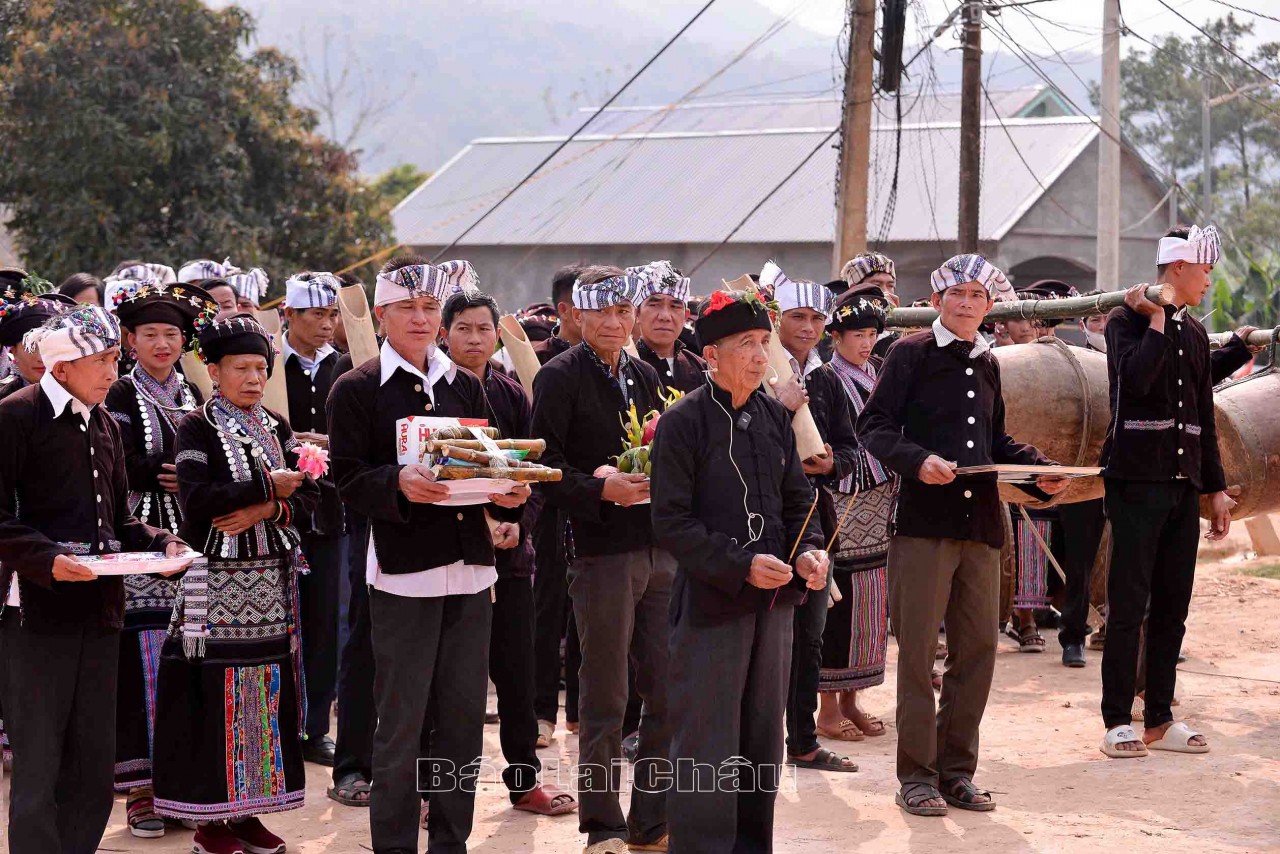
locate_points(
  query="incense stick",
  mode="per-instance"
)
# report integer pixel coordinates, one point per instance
(799, 537)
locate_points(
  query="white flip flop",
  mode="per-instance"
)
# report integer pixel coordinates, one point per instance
(1116, 736)
(1177, 739)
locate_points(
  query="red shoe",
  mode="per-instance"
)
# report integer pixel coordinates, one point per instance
(215, 838)
(255, 838)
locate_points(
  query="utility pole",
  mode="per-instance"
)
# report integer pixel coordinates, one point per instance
(855, 139)
(1206, 150)
(1173, 200)
(1108, 264)
(970, 126)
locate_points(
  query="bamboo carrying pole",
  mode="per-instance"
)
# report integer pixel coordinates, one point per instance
(1258, 338)
(1033, 309)
(517, 343)
(357, 319)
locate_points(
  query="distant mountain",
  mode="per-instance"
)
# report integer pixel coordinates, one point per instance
(511, 67)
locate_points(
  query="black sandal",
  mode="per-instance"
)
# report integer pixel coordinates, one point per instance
(912, 796)
(960, 792)
(349, 789)
(1030, 639)
(824, 760)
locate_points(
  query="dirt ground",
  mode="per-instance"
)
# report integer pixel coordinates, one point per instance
(1039, 754)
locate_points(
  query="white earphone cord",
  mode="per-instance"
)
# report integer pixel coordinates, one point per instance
(755, 521)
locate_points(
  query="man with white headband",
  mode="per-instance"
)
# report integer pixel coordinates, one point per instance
(430, 567)
(660, 318)
(250, 287)
(310, 359)
(619, 582)
(936, 407)
(804, 309)
(1160, 456)
(60, 624)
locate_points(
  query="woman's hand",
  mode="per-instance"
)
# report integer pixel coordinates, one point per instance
(286, 482)
(245, 518)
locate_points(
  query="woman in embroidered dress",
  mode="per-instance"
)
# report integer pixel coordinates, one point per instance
(228, 740)
(148, 403)
(855, 640)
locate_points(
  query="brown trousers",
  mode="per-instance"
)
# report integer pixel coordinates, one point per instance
(932, 580)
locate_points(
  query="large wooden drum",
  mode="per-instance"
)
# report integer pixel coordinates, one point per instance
(1248, 419)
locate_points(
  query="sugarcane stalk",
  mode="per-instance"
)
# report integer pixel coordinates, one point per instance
(1034, 309)
(469, 456)
(541, 474)
(535, 447)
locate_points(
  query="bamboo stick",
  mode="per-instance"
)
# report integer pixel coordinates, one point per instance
(541, 474)
(1033, 309)
(275, 396)
(463, 433)
(357, 319)
(1258, 338)
(470, 456)
(197, 373)
(535, 447)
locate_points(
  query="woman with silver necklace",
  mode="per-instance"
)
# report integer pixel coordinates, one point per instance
(147, 404)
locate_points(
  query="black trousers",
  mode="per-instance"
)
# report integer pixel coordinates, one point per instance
(432, 657)
(1155, 530)
(59, 695)
(806, 670)
(353, 753)
(726, 700)
(553, 622)
(318, 603)
(511, 669)
(1082, 525)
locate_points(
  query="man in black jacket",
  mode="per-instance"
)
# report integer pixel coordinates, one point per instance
(311, 311)
(619, 582)
(60, 623)
(1160, 456)
(659, 321)
(938, 406)
(735, 588)
(804, 310)
(471, 324)
(430, 567)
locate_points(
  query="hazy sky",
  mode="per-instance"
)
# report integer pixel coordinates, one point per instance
(1077, 24)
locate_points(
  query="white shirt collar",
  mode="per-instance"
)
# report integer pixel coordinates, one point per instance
(59, 397)
(945, 336)
(438, 365)
(321, 354)
(811, 363)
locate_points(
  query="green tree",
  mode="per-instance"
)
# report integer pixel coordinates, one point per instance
(398, 182)
(144, 128)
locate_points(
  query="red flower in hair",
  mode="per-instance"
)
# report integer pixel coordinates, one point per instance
(718, 300)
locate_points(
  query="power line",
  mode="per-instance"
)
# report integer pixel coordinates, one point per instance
(1247, 11)
(1219, 43)
(580, 129)
(762, 202)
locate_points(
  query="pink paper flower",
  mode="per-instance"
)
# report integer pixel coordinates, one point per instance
(313, 460)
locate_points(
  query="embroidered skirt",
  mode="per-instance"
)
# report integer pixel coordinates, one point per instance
(136, 706)
(1031, 587)
(229, 709)
(856, 638)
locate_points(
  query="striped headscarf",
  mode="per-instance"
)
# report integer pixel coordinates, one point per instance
(424, 280)
(868, 263)
(790, 295)
(1200, 246)
(972, 268)
(74, 334)
(610, 292)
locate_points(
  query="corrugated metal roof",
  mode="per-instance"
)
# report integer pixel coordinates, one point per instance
(755, 114)
(696, 187)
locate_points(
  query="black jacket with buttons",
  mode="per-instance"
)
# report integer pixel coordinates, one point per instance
(408, 537)
(698, 507)
(63, 490)
(308, 391)
(689, 372)
(578, 411)
(936, 400)
(1162, 420)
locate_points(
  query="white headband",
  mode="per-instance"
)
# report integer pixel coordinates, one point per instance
(612, 291)
(424, 280)
(1201, 246)
(972, 268)
(251, 285)
(661, 278)
(75, 334)
(319, 291)
(162, 273)
(196, 271)
(789, 295)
